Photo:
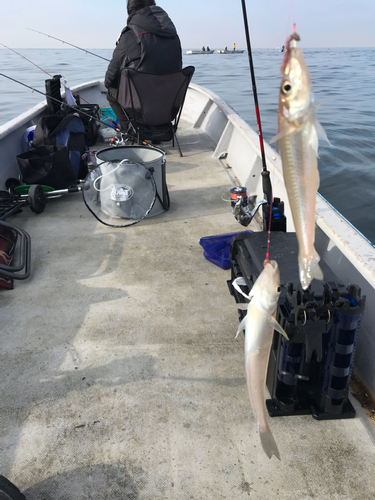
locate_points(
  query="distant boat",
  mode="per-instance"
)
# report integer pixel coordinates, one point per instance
(189, 52)
(230, 51)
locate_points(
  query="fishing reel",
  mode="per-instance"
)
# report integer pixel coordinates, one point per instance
(118, 141)
(240, 206)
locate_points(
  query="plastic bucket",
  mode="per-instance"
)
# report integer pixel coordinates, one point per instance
(150, 158)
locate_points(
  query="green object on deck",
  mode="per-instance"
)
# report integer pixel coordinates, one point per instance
(24, 189)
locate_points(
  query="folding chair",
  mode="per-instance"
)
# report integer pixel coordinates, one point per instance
(153, 103)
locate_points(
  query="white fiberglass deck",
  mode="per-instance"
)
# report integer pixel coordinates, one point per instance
(120, 375)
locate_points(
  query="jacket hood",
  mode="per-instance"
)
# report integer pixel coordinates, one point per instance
(153, 19)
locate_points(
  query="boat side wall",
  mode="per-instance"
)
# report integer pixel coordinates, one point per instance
(237, 142)
(345, 250)
(11, 141)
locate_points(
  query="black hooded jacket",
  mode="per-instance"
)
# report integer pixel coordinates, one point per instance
(149, 43)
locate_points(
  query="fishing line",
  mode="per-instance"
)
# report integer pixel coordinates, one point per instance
(82, 113)
(269, 230)
(49, 74)
(291, 16)
(294, 31)
(44, 71)
(23, 57)
(67, 43)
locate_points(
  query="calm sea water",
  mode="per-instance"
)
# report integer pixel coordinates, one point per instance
(342, 78)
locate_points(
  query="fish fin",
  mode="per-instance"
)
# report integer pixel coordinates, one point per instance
(321, 132)
(241, 326)
(280, 135)
(314, 141)
(269, 444)
(278, 327)
(309, 269)
(288, 129)
(242, 306)
(276, 137)
(318, 104)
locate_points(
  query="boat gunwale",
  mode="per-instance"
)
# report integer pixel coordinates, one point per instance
(348, 239)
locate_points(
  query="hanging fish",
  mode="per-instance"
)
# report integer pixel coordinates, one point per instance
(298, 132)
(259, 324)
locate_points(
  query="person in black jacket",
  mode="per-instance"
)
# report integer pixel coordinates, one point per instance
(149, 43)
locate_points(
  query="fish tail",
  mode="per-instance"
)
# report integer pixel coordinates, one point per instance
(269, 444)
(308, 269)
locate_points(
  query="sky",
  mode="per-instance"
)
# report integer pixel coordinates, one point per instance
(217, 23)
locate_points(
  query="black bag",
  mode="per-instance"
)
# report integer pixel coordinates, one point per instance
(53, 94)
(56, 105)
(90, 122)
(48, 165)
(66, 131)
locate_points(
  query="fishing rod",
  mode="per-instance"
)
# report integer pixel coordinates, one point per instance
(67, 43)
(267, 188)
(44, 71)
(72, 108)
(23, 57)
(239, 202)
(49, 74)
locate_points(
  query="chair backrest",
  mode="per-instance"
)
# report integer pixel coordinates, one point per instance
(153, 100)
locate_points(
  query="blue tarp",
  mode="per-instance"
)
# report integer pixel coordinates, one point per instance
(217, 248)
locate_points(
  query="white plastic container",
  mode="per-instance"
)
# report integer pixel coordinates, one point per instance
(106, 134)
(150, 158)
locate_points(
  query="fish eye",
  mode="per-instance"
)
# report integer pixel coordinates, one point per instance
(279, 288)
(286, 87)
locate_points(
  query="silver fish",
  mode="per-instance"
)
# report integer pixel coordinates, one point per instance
(259, 324)
(298, 143)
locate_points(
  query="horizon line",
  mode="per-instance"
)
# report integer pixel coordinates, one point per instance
(197, 48)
